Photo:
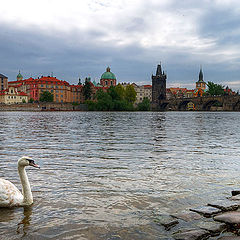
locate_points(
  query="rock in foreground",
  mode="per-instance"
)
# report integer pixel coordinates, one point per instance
(228, 217)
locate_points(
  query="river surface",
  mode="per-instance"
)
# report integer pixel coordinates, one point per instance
(107, 175)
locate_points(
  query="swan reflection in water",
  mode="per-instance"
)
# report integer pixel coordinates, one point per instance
(23, 226)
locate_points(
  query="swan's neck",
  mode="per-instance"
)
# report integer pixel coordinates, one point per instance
(26, 188)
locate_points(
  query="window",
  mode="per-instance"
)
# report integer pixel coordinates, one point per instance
(106, 83)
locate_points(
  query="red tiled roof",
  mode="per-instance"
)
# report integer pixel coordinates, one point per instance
(5, 92)
(42, 80)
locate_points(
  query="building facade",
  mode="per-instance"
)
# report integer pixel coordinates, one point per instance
(179, 93)
(159, 85)
(11, 95)
(143, 91)
(62, 91)
(3, 82)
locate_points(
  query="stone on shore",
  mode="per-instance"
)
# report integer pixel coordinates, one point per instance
(228, 217)
(235, 192)
(187, 216)
(229, 238)
(225, 205)
(193, 234)
(213, 227)
(206, 211)
(166, 221)
(235, 198)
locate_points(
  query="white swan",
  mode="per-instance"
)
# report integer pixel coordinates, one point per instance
(10, 196)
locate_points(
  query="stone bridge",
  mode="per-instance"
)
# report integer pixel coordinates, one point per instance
(206, 103)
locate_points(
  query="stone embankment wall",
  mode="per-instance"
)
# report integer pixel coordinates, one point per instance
(43, 107)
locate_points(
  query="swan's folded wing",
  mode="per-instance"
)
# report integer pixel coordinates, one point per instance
(9, 194)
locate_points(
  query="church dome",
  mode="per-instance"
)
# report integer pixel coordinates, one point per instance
(108, 74)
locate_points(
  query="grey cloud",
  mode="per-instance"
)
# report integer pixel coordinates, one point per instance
(76, 53)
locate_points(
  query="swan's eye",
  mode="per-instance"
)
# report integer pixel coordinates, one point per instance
(30, 161)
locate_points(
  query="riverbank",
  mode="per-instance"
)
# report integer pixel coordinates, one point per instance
(43, 107)
(217, 220)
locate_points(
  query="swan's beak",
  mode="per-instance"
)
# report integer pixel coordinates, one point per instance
(32, 163)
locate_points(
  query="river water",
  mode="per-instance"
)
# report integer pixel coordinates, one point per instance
(106, 175)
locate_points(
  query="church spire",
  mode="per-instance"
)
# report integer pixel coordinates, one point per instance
(200, 75)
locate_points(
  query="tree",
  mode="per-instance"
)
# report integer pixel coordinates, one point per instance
(104, 101)
(215, 89)
(144, 105)
(120, 91)
(46, 96)
(87, 89)
(113, 93)
(130, 94)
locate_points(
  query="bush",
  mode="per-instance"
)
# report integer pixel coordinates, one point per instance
(144, 105)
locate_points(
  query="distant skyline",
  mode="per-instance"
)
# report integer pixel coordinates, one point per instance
(72, 39)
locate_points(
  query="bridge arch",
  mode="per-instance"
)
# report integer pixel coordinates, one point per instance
(212, 105)
(164, 106)
(186, 105)
(236, 106)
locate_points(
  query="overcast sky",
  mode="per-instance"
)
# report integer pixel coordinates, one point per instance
(80, 38)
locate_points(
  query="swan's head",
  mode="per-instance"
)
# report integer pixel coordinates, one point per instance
(27, 161)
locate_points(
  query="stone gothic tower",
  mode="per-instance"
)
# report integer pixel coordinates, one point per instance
(159, 85)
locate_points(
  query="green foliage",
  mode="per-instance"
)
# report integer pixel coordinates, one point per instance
(87, 89)
(113, 93)
(104, 101)
(46, 97)
(144, 105)
(112, 100)
(31, 100)
(23, 101)
(91, 105)
(120, 91)
(215, 89)
(130, 94)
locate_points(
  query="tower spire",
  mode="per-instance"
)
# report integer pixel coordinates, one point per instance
(159, 70)
(200, 74)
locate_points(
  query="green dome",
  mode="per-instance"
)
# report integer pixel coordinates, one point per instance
(108, 74)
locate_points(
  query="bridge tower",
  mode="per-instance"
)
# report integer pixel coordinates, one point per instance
(159, 85)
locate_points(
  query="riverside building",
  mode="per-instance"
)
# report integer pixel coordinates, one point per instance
(11, 95)
(62, 91)
(3, 82)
